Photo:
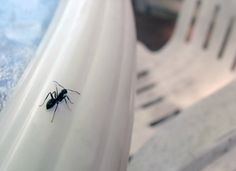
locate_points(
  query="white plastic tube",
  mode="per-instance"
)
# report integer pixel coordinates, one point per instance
(89, 48)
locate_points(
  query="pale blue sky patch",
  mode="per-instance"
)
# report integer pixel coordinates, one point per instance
(22, 26)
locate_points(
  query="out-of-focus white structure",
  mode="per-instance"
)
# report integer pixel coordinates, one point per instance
(89, 48)
(198, 60)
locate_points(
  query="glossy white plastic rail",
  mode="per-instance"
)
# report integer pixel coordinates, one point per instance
(89, 47)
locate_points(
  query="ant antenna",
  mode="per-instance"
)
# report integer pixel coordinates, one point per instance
(66, 88)
(59, 84)
(73, 91)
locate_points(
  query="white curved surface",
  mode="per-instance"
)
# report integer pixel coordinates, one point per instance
(89, 47)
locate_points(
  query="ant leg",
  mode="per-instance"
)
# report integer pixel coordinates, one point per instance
(56, 91)
(67, 103)
(67, 89)
(46, 98)
(55, 95)
(69, 99)
(54, 113)
(59, 84)
(73, 91)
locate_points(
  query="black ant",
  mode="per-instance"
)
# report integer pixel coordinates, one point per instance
(56, 98)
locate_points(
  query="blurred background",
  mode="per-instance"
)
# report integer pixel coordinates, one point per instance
(184, 100)
(155, 23)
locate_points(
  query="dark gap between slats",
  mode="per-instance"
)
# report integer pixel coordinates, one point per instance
(130, 158)
(233, 64)
(211, 28)
(167, 117)
(226, 38)
(143, 73)
(145, 88)
(153, 102)
(193, 21)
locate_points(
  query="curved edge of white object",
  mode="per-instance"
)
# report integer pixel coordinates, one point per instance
(89, 48)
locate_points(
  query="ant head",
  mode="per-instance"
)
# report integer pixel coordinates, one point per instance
(64, 91)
